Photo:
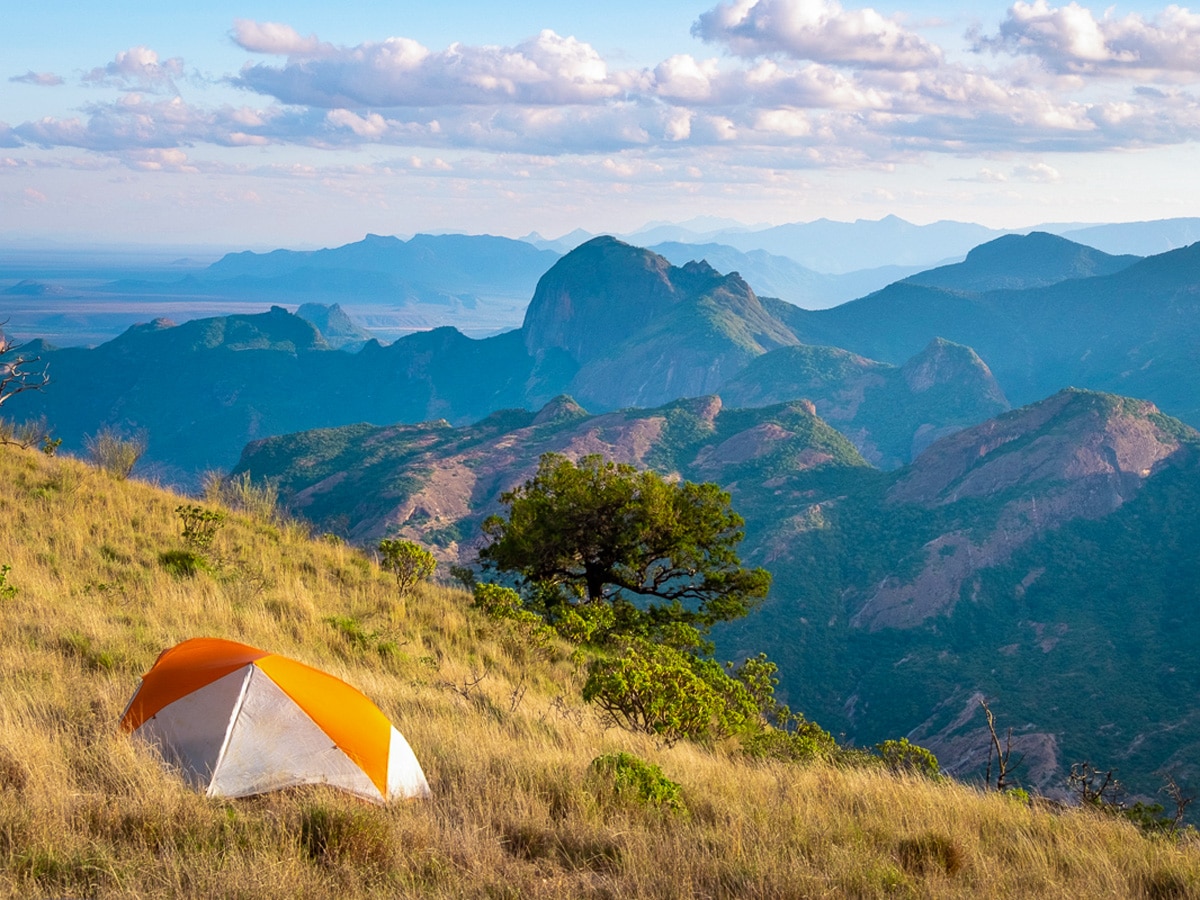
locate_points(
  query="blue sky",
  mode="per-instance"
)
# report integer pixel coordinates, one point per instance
(302, 124)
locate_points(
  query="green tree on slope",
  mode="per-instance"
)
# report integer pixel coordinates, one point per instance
(660, 553)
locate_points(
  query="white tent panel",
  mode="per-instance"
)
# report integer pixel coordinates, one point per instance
(405, 778)
(184, 732)
(274, 744)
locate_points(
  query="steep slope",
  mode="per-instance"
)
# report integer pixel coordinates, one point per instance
(1053, 540)
(1014, 262)
(643, 332)
(519, 807)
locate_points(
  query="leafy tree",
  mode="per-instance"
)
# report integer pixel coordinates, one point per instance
(598, 532)
(410, 563)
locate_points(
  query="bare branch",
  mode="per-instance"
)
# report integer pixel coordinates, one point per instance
(18, 372)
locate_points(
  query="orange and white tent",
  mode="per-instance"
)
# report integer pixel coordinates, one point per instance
(240, 721)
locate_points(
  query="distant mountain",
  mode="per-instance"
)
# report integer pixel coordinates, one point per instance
(338, 329)
(30, 288)
(451, 264)
(1132, 332)
(1035, 560)
(201, 390)
(1015, 262)
(840, 247)
(1140, 238)
(561, 245)
(611, 324)
(782, 277)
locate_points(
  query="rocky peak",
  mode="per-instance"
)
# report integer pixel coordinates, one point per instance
(562, 408)
(945, 362)
(1072, 436)
(595, 297)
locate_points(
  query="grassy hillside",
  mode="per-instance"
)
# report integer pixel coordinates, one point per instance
(504, 740)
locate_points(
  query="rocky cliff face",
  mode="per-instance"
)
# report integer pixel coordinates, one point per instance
(1075, 455)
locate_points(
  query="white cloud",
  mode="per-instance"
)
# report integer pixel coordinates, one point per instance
(1039, 173)
(41, 79)
(818, 30)
(138, 67)
(275, 38)
(1071, 39)
(547, 69)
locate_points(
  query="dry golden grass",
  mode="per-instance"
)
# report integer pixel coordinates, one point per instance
(85, 811)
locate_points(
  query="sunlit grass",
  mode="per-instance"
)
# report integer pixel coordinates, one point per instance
(500, 730)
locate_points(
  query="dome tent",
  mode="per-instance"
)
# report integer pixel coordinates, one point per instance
(240, 721)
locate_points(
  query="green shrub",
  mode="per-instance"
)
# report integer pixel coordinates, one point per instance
(901, 756)
(199, 526)
(7, 591)
(635, 779)
(410, 563)
(658, 690)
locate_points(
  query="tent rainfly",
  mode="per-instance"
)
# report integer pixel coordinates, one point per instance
(240, 721)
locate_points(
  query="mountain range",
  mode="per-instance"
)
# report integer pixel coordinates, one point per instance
(615, 326)
(929, 545)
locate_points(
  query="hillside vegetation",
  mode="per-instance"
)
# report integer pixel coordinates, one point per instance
(95, 591)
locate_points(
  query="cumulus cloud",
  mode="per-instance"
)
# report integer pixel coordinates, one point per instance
(687, 81)
(41, 79)
(138, 67)
(1071, 39)
(547, 69)
(276, 38)
(817, 30)
(554, 96)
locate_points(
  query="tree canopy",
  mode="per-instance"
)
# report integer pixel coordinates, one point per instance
(597, 532)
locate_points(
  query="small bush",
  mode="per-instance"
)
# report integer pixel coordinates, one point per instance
(79, 646)
(409, 562)
(633, 778)
(27, 434)
(901, 756)
(661, 691)
(7, 591)
(199, 526)
(116, 454)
